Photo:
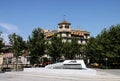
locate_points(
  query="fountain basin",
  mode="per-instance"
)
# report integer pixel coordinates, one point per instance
(68, 67)
(68, 64)
(62, 71)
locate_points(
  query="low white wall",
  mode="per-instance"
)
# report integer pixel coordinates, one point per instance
(62, 71)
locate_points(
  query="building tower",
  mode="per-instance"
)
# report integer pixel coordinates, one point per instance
(64, 26)
(64, 29)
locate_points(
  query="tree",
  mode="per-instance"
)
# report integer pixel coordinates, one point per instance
(114, 40)
(18, 45)
(114, 45)
(72, 49)
(67, 51)
(97, 48)
(105, 45)
(55, 48)
(109, 40)
(91, 49)
(1, 43)
(36, 45)
(76, 48)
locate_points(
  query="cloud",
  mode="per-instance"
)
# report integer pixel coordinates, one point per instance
(9, 27)
(5, 36)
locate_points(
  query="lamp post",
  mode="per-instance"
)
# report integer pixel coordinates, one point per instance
(106, 59)
(7, 61)
(88, 62)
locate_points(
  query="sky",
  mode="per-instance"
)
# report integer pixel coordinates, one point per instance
(22, 16)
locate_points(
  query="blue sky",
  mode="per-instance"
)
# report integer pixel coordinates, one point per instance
(22, 16)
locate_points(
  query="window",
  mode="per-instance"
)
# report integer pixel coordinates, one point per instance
(64, 40)
(64, 35)
(67, 27)
(60, 27)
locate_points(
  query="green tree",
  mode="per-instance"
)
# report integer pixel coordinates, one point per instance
(55, 48)
(71, 49)
(109, 41)
(114, 40)
(75, 48)
(114, 44)
(91, 49)
(36, 45)
(102, 45)
(67, 51)
(105, 45)
(1, 43)
(18, 44)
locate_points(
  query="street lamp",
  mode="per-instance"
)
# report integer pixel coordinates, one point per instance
(88, 62)
(106, 59)
(7, 61)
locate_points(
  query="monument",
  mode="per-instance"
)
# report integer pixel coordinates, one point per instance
(68, 67)
(68, 64)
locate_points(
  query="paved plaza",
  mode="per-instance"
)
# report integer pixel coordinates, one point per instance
(102, 75)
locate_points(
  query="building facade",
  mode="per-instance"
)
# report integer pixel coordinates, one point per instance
(65, 31)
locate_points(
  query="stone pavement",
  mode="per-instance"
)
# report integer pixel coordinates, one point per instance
(102, 75)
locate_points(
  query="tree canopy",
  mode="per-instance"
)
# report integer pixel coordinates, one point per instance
(36, 45)
(105, 45)
(55, 48)
(18, 44)
(1, 43)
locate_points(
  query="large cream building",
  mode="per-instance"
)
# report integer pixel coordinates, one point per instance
(66, 32)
